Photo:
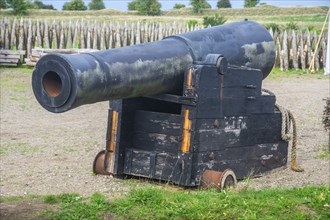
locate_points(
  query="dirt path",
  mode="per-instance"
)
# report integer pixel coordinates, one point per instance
(24, 209)
(45, 153)
(303, 96)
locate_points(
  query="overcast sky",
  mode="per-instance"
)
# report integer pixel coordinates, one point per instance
(168, 4)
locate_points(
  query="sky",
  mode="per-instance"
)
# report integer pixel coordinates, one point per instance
(168, 4)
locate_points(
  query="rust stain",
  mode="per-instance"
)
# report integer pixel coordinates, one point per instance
(217, 179)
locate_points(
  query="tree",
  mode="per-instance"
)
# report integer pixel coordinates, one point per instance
(19, 7)
(145, 7)
(199, 5)
(75, 5)
(96, 5)
(223, 4)
(178, 6)
(250, 3)
(30, 4)
(3, 4)
(132, 6)
(40, 5)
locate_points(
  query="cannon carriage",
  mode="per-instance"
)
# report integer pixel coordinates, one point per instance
(188, 109)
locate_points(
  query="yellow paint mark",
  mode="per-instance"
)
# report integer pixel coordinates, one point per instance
(112, 141)
(189, 79)
(186, 135)
(113, 131)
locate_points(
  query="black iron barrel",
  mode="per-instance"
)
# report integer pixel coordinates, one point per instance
(62, 82)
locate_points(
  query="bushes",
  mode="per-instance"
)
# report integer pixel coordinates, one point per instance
(178, 6)
(96, 5)
(75, 5)
(192, 23)
(145, 7)
(273, 26)
(223, 4)
(199, 6)
(278, 28)
(291, 26)
(213, 20)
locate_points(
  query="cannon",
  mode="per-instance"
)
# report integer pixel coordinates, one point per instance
(188, 109)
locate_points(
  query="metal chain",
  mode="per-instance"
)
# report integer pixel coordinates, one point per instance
(287, 118)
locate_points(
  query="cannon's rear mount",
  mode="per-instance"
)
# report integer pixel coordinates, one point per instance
(220, 129)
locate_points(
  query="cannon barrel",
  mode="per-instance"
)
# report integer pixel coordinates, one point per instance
(62, 82)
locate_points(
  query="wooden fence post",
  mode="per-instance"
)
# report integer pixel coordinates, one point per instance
(13, 39)
(316, 52)
(324, 50)
(294, 50)
(29, 39)
(302, 51)
(285, 52)
(21, 35)
(308, 47)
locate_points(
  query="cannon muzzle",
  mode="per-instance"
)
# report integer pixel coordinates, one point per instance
(62, 82)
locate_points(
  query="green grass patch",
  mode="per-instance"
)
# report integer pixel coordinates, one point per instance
(72, 206)
(324, 152)
(310, 202)
(277, 73)
(311, 18)
(21, 148)
(21, 68)
(61, 198)
(167, 203)
(15, 199)
(15, 82)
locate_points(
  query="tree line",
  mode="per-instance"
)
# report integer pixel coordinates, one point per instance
(143, 7)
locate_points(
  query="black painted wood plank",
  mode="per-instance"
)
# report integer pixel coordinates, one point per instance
(166, 166)
(243, 163)
(140, 163)
(156, 142)
(230, 122)
(209, 108)
(155, 122)
(215, 139)
(245, 152)
(240, 92)
(208, 77)
(239, 77)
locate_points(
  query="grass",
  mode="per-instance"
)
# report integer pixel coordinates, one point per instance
(72, 206)
(277, 73)
(267, 204)
(324, 152)
(311, 202)
(17, 148)
(22, 69)
(14, 83)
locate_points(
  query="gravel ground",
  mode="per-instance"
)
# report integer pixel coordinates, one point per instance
(46, 153)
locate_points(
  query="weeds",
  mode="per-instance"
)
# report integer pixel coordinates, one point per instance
(324, 152)
(192, 23)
